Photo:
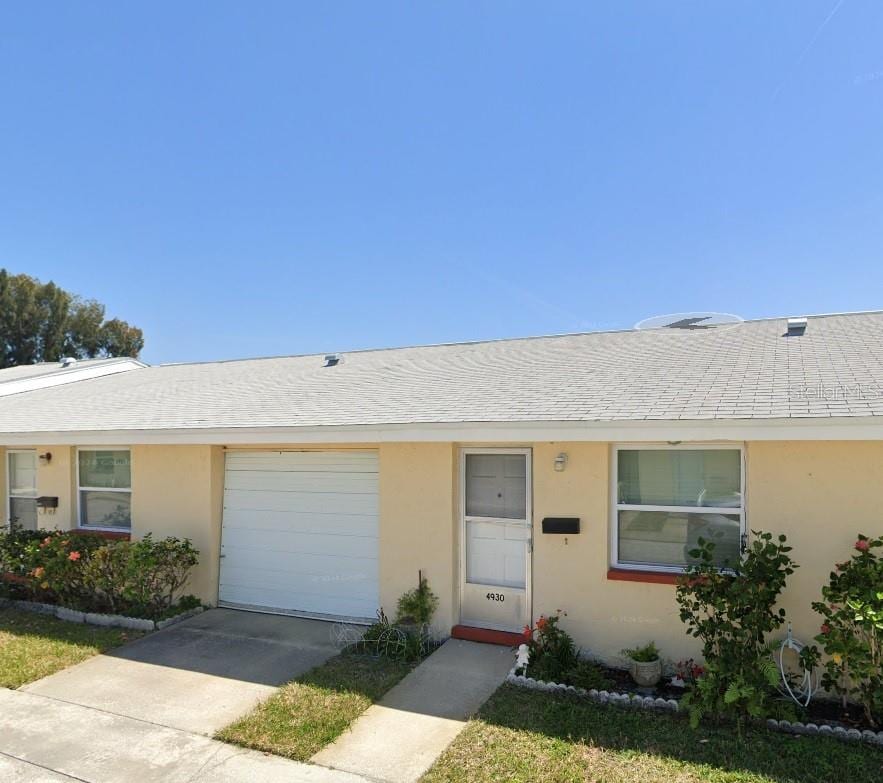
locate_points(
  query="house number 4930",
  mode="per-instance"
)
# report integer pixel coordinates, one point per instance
(496, 597)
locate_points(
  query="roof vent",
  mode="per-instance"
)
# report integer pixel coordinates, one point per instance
(68, 361)
(796, 327)
(333, 359)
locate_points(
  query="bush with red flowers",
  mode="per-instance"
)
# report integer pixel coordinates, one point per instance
(82, 571)
(732, 611)
(57, 570)
(852, 629)
(555, 658)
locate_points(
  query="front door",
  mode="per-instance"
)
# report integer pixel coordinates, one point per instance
(496, 536)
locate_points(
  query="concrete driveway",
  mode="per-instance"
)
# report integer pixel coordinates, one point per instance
(196, 676)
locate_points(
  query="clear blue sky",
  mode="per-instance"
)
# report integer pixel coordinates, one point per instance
(270, 178)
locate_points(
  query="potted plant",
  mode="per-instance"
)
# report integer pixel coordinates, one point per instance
(645, 664)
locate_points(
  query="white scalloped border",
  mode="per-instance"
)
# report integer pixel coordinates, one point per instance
(636, 701)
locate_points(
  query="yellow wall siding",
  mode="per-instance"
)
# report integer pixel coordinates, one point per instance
(820, 494)
(174, 491)
(570, 572)
(58, 478)
(417, 524)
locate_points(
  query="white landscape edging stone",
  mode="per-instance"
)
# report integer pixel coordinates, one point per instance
(174, 620)
(636, 701)
(94, 618)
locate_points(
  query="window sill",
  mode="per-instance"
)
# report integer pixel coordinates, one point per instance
(113, 535)
(648, 577)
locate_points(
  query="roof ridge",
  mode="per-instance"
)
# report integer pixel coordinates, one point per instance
(454, 343)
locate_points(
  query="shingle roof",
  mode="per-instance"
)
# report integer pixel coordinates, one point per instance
(747, 371)
(45, 368)
(28, 377)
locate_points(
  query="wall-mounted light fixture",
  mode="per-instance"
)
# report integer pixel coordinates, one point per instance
(560, 462)
(46, 458)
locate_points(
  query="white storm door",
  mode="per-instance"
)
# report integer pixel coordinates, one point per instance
(496, 536)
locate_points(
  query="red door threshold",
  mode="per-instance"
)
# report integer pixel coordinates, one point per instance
(487, 636)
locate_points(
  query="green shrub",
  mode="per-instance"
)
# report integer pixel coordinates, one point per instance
(852, 631)
(58, 567)
(157, 571)
(553, 656)
(13, 545)
(732, 611)
(389, 640)
(417, 605)
(646, 654)
(84, 571)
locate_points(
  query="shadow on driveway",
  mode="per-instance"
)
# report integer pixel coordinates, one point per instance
(198, 675)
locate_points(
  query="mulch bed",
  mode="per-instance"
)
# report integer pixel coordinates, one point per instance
(820, 711)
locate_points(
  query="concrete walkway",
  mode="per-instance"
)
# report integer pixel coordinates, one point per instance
(399, 738)
(197, 676)
(47, 741)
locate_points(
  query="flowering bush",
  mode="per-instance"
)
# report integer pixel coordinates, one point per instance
(688, 672)
(86, 572)
(555, 658)
(731, 611)
(56, 564)
(852, 629)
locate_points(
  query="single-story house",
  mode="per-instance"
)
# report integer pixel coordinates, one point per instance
(520, 476)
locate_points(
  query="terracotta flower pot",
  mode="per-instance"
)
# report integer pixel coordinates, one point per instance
(646, 674)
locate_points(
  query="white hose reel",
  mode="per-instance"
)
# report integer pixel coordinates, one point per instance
(803, 689)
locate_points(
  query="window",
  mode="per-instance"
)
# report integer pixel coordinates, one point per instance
(669, 497)
(105, 487)
(22, 473)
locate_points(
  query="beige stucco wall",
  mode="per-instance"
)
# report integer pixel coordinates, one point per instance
(820, 494)
(175, 492)
(570, 572)
(417, 524)
(57, 477)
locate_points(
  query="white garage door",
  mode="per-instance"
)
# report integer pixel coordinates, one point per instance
(300, 533)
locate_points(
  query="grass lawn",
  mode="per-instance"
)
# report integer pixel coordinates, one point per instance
(35, 645)
(522, 735)
(315, 709)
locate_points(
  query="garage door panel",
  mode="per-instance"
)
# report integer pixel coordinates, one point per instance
(243, 542)
(336, 585)
(300, 532)
(272, 481)
(300, 522)
(303, 461)
(311, 502)
(319, 603)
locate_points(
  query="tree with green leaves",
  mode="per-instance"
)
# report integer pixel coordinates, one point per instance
(40, 322)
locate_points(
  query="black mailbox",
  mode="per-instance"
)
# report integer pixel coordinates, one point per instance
(47, 502)
(561, 525)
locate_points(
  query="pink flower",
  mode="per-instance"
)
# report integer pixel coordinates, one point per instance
(862, 545)
(38, 572)
(826, 629)
(74, 556)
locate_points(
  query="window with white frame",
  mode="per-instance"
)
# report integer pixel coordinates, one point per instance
(22, 477)
(105, 488)
(667, 498)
